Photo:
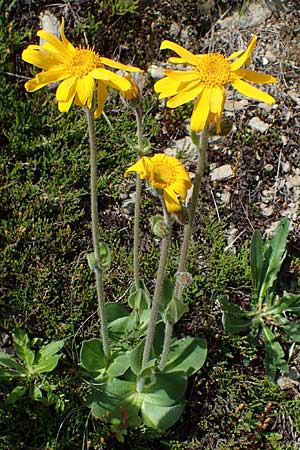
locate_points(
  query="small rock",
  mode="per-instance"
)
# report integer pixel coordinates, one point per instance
(268, 167)
(225, 197)
(156, 72)
(221, 173)
(284, 139)
(254, 14)
(174, 29)
(265, 61)
(257, 124)
(293, 181)
(285, 165)
(266, 211)
(236, 105)
(50, 24)
(265, 107)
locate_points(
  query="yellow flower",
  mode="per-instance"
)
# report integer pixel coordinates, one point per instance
(167, 174)
(133, 92)
(77, 68)
(207, 80)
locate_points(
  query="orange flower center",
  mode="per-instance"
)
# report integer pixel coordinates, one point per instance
(214, 70)
(83, 62)
(163, 175)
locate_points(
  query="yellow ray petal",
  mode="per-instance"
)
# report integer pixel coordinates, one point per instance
(143, 167)
(106, 75)
(33, 55)
(65, 41)
(185, 54)
(176, 60)
(182, 75)
(255, 77)
(245, 55)
(184, 97)
(65, 106)
(33, 85)
(54, 42)
(101, 97)
(66, 89)
(171, 201)
(51, 76)
(216, 99)
(117, 65)
(85, 90)
(252, 92)
(180, 188)
(235, 55)
(166, 84)
(200, 112)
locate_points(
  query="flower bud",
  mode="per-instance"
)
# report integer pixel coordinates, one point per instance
(185, 279)
(133, 93)
(159, 226)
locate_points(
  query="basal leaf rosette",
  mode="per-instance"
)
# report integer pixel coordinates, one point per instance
(166, 174)
(207, 81)
(77, 69)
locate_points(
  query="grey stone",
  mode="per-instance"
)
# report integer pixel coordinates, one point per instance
(257, 124)
(256, 13)
(221, 173)
(49, 23)
(156, 72)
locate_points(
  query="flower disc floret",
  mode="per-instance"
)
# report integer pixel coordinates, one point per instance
(214, 70)
(166, 174)
(77, 69)
(206, 79)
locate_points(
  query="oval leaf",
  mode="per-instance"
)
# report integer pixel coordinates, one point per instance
(91, 355)
(187, 355)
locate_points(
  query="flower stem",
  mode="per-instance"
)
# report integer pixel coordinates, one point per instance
(138, 191)
(95, 231)
(178, 291)
(202, 147)
(164, 252)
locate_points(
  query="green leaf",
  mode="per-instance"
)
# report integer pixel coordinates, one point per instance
(175, 310)
(7, 374)
(139, 297)
(105, 258)
(92, 356)
(119, 365)
(36, 393)
(136, 356)
(16, 393)
(22, 345)
(256, 260)
(235, 320)
(274, 254)
(122, 325)
(292, 330)
(160, 417)
(119, 388)
(8, 361)
(274, 358)
(288, 303)
(187, 355)
(166, 295)
(115, 310)
(51, 349)
(46, 364)
(167, 389)
(47, 358)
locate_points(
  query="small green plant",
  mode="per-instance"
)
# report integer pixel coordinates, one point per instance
(268, 311)
(137, 369)
(28, 369)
